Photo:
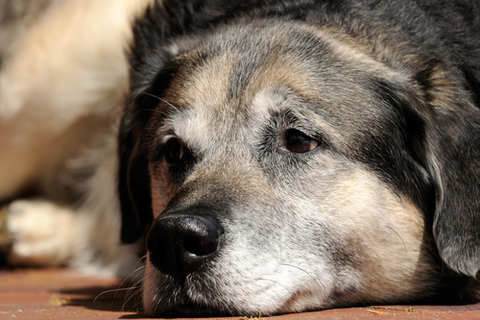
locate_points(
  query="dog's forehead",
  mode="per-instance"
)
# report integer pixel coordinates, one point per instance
(234, 81)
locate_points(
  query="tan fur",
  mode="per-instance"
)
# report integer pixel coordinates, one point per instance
(389, 230)
(62, 88)
(68, 69)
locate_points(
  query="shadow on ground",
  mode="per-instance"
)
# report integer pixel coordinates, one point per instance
(111, 298)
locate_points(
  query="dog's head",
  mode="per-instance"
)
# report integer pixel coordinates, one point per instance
(279, 167)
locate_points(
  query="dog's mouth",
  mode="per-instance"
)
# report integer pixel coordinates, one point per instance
(184, 307)
(190, 309)
(168, 297)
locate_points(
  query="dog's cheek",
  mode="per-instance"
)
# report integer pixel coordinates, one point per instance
(381, 237)
(162, 190)
(269, 260)
(150, 288)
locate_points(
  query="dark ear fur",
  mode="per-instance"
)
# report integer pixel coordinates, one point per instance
(453, 160)
(147, 57)
(133, 182)
(134, 141)
(134, 176)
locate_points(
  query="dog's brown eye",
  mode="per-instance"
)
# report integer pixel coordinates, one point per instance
(174, 151)
(298, 142)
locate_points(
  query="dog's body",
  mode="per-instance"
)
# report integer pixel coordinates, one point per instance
(276, 156)
(63, 79)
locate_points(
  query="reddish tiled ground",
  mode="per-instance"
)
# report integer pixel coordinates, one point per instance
(65, 294)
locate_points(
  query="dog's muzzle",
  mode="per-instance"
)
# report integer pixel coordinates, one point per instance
(180, 243)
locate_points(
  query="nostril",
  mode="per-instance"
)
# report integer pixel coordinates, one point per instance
(201, 246)
(200, 236)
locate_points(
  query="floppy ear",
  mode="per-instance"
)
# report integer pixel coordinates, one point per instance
(453, 160)
(134, 139)
(133, 179)
(148, 55)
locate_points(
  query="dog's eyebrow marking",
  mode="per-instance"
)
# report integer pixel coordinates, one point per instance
(277, 102)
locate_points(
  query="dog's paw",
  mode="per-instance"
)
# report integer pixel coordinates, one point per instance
(41, 233)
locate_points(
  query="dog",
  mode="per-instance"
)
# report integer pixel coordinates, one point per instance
(269, 156)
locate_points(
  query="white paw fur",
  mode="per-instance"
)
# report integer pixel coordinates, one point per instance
(42, 233)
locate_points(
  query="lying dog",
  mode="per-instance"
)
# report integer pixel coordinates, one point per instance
(274, 156)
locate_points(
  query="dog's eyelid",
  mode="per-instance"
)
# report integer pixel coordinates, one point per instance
(167, 137)
(171, 149)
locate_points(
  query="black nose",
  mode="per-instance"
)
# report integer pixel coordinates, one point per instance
(179, 244)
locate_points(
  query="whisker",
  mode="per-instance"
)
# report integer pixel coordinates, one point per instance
(133, 293)
(159, 98)
(135, 288)
(404, 246)
(109, 291)
(318, 282)
(268, 280)
(131, 275)
(130, 290)
(352, 292)
(304, 271)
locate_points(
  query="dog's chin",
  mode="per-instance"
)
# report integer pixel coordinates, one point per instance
(173, 299)
(188, 309)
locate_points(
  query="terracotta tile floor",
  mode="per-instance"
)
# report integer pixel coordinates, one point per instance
(66, 294)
